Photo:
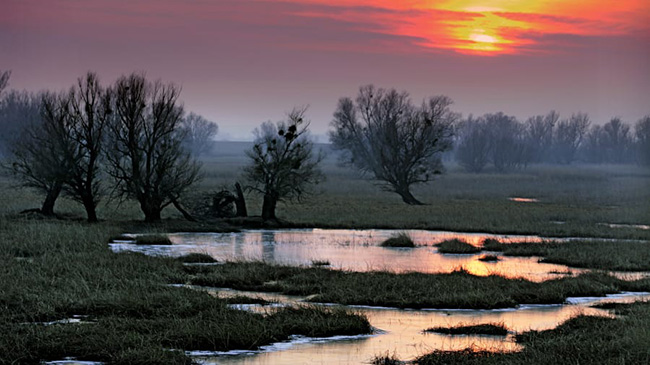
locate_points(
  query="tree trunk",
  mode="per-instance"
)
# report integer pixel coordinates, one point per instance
(407, 197)
(183, 211)
(52, 194)
(240, 202)
(268, 207)
(90, 207)
(151, 211)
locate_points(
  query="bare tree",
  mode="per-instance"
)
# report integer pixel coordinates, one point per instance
(384, 135)
(509, 149)
(617, 140)
(199, 133)
(642, 131)
(18, 109)
(473, 144)
(283, 165)
(569, 136)
(539, 135)
(145, 154)
(89, 112)
(40, 156)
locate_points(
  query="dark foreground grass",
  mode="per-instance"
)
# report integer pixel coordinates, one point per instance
(401, 239)
(410, 290)
(196, 258)
(581, 340)
(492, 329)
(591, 254)
(456, 246)
(53, 270)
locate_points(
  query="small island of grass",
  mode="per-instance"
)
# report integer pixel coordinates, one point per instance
(457, 246)
(491, 329)
(401, 239)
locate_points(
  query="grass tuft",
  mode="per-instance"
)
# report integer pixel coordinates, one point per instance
(196, 258)
(492, 329)
(401, 239)
(318, 263)
(386, 359)
(491, 244)
(456, 246)
(489, 258)
(157, 239)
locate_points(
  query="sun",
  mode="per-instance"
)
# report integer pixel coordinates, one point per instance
(483, 38)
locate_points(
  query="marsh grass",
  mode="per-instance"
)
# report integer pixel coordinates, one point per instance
(137, 317)
(591, 254)
(196, 258)
(409, 290)
(120, 237)
(463, 357)
(154, 239)
(318, 263)
(386, 359)
(456, 246)
(490, 329)
(401, 239)
(244, 299)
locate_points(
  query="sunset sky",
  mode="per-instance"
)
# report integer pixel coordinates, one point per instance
(242, 62)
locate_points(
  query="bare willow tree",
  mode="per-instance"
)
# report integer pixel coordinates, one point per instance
(199, 133)
(473, 144)
(384, 135)
(642, 132)
(283, 164)
(569, 135)
(88, 114)
(145, 154)
(18, 109)
(40, 156)
(509, 149)
(539, 135)
(11, 106)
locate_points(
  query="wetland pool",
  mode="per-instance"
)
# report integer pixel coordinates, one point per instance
(397, 332)
(353, 250)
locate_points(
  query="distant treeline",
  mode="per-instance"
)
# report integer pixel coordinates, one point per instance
(506, 143)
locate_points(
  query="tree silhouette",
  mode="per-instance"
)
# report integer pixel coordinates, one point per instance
(384, 135)
(144, 153)
(283, 165)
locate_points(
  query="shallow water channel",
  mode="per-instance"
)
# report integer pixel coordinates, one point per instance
(398, 332)
(354, 250)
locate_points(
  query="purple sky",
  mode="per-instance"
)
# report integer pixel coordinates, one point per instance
(242, 62)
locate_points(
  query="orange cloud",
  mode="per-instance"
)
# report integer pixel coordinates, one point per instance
(488, 27)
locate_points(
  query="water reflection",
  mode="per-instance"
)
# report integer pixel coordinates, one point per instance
(355, 250)
(524, 200)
